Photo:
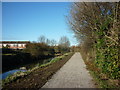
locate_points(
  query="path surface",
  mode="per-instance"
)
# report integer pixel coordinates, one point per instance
(72, 75)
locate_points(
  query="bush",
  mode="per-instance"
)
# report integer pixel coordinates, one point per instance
(39, 49)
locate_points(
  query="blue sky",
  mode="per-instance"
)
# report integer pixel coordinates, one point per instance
(28, 21)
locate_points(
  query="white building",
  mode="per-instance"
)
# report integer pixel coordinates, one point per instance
(14, 44)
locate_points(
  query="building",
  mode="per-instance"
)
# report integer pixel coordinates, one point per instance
(14, 44)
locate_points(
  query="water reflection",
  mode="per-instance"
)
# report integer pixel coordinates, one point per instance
(11, 72)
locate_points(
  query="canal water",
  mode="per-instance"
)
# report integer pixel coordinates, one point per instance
(11, 72)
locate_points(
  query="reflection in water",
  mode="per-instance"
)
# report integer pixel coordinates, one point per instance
(11, 72)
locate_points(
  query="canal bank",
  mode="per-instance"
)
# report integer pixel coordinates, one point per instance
(38, 77)
(24, 68)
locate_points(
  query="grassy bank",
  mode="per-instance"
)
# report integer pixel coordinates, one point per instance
(37, 76)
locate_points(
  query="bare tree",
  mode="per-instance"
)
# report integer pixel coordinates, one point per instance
(42, 39)
(48, 41)
(53, 42)
(64, 42)
(86, 18)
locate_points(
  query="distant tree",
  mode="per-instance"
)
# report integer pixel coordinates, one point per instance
(39, 49)
(34, 42)
(48, 41)
(53, 42)
(72, 48)
(64, 42)
(42, 39)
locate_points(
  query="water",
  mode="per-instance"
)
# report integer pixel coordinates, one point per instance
(11, 72)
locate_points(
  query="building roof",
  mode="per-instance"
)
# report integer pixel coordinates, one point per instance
(15, 42)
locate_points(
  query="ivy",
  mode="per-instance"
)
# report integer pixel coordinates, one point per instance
(107, 51)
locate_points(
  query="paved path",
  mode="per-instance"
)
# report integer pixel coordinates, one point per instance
(72, 75)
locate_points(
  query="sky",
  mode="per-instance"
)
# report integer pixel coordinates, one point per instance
(26, 21)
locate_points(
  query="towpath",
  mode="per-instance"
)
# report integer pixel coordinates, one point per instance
(72, 75)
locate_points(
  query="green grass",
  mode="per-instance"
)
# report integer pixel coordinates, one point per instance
(8, 54)
(22, 74)
(55, 59)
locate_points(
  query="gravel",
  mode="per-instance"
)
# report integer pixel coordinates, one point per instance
(72, 75)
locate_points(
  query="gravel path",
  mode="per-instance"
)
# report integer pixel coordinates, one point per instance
(72, 75)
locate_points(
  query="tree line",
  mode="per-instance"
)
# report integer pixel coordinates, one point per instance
(45, 47)
(35, 51)
(96, 26)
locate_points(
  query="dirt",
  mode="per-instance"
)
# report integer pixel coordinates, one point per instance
(38, 77)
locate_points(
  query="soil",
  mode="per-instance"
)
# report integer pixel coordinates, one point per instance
(38, 77)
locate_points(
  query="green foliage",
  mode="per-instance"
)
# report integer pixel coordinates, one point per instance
(107, 52)
(97, 25)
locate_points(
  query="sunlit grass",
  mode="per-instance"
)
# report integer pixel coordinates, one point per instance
(9, 54)
(22, 74)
